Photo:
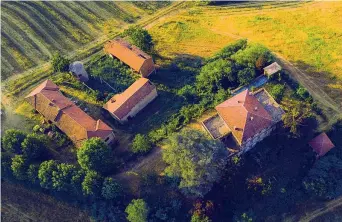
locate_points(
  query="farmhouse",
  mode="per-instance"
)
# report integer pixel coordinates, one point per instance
(272, 69)
(131, 56)
(74, 122)
(77, 69)
(321, 144)
(248, 117)
(127, 104)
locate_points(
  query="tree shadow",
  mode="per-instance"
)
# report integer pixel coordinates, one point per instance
(178, 72)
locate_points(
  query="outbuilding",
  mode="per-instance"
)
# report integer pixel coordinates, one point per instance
(321, 144)
(272, 69)
(78, 70)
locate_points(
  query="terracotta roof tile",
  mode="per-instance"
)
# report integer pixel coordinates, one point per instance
(121, 104)
(321, 144)
(51, 103)
(129, 54)
(244, 115)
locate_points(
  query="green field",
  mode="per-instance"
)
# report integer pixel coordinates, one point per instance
(32, 31)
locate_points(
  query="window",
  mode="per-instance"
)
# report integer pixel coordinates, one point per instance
(106, 139)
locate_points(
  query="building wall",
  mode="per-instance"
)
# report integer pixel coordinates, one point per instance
(147, 68)
(110, 137)
(139, 106)
(251, 142)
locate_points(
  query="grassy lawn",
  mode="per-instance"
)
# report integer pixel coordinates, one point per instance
(307, 34)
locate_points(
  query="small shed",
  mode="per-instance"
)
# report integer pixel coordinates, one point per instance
(321, 144)
(272, 69)
(78, 70)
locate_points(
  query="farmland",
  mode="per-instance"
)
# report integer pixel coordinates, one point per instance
(308, 34)
(32, 31)
(199, 65)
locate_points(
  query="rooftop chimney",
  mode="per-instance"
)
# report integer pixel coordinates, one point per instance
(239, 101)
(256, 108)
(251, 117)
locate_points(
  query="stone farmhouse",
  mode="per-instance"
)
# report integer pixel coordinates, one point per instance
(321, 144)
(127, 104)
(248, 117)
(69, 118)
(131, 55)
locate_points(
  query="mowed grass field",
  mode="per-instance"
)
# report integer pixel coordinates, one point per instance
(308, 34)
(32, 31)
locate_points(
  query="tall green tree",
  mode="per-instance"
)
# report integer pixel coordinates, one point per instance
(33, 146)
(60, 63)
(45, 173)
(296, 112)
(94, 154)
(19, 167)
(141, 144)
(139, 37)
(62, 176)
(251, 56)
(197, 160)
(91, 184)
(137, 211)
(110, 189)
(32, 173)
(12, 139)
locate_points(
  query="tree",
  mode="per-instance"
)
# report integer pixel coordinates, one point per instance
(197, 160)
(302, 93)
(45, 173)
(19, 167)
(32, 173)
(231, 49)
(62, 176)
(33, 146)
(110, 189)
(12, 139)
(141, 144)
(137, 211)
(94, 154)
(199, 218)
(60, 63)
(216, 75)
(260, 63)
(91, 184)
(277, 91)
(139, 37)
(250, 55)
(325, 178)
(296, 112)
(246, 75)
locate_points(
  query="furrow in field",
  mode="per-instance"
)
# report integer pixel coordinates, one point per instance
(39, 26)
(60, 28)
(76, 23)
(114, 10)
(22, 43)
(100, 12)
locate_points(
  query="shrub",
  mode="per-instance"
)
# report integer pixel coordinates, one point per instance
(32, 173)
(60, 63)
(302, 93)
(12, 139)
(245, 76)
(36, 128)
(141, 144)
(137, 211)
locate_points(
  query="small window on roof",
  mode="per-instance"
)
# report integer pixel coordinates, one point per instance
(106, 139)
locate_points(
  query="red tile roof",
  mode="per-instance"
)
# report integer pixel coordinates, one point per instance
(321, 144)
(129, 54)
(50, 102)
(121, 104)
(244, 115)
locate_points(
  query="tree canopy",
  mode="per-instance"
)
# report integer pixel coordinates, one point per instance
(110, 189)
(197, 160)
(12, 139)
(141, 144)
(94, 154)
(91, 184)
(137, 211)
(139, 37)
(33, 146)
(19, 167)
(253, 55)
